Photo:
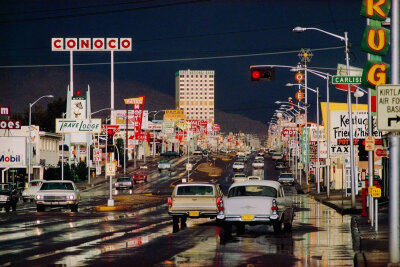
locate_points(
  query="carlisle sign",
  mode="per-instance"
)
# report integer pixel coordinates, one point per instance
(91, 44)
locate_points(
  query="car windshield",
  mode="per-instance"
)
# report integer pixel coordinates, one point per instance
(123, 179)
(277, 154)
(57, 186)
(195, 190)
(240, 175)
(252, 190)
(286, 175)
(239, 163)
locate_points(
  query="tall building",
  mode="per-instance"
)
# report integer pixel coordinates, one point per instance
(194, 93)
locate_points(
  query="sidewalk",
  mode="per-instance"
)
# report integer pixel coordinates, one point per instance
(371, 248)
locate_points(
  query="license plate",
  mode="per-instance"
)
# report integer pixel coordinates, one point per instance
(247, 217)
(194, 213)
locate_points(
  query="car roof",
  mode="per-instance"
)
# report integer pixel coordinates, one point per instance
(270, 183)
(37, 180)
(197, 183)
(58, 181)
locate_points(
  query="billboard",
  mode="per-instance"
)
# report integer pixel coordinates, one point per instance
(12, 151)
(174, 115)
(78, 126)
(91, 44)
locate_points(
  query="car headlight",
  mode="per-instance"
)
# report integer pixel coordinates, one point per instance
(38, 197)
(71, 197)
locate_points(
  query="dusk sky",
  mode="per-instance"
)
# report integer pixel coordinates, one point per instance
(225, 36)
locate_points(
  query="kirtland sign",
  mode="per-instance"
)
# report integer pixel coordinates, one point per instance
(91, 44)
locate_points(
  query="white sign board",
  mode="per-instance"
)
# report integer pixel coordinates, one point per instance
(96, 154)
(110, 169)
(314, 133)
(12, 151)
(98, 170)
(91, 44)
(388, 107)
(78, 126)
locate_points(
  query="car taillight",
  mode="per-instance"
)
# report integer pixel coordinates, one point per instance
(220, 204)
(274, 206)
(169, 201)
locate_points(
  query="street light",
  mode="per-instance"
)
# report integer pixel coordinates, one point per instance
(30, 121)
(352, 166)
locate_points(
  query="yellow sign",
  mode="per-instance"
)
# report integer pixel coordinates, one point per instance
(174, 115)
(134, 101)
(370, 188)
(376, 192)
(369, 143)
(247, 217)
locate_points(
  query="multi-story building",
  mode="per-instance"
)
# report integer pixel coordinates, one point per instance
(194, 93)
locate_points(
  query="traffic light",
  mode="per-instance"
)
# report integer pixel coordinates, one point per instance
(110, 140)
(362, 154)
(262, 73)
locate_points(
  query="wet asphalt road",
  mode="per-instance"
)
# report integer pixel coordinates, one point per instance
(320, 236)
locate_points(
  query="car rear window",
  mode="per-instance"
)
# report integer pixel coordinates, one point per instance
(57, 186)
(286, 175)
(252, 190)
(123, 179)
(195, 190)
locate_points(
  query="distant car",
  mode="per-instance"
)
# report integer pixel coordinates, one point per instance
(259, 158)
(271, 151)
(253, 177)
(164, 165)
(8, 197)
(170, 154)
(277, 155)
(197, 153)
(139, 176)
(258, 164)
(124, 183)
(58, 193)
(280, 165)
(238, 166)
(239, 177)
(260, 153)
(30, 192)
(286, 178)
(256, 202)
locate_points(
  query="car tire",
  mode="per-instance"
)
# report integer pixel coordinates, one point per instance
(240, 229)
(40, 208)
(24, 199)
(175, 223)
(74, 208)
(287, 227)
(277, 227)
(134, 182)
(14, 207)
(7, 208)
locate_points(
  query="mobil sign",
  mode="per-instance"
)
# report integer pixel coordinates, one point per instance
(289, 132)
(12, 151)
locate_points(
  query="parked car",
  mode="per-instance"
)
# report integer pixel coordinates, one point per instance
(238, 166)
(30, 192)
(280, 165)
(124, 183)
(286, 178)
(277, 155)
(256, 202)
(239, 177)
(8, 197)
(271, 151)
(164, 165)
(259, 158)
(194, 200)
(58, 193)
(260, 153)
(140, 175)
(258, 164)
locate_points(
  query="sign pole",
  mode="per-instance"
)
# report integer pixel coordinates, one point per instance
(328, 144)
(394, 175)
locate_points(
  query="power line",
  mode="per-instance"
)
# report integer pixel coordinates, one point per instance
(171, 60)
(104, 12)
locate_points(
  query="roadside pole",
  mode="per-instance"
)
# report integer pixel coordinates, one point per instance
(394, 172)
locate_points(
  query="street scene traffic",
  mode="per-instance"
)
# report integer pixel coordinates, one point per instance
(200, 133)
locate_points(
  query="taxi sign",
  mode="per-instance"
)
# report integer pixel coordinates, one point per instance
(370, 188)
(376, 192)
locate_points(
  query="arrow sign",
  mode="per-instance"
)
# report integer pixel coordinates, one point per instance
(397, 119)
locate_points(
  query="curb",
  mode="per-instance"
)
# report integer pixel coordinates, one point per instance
(113, 208)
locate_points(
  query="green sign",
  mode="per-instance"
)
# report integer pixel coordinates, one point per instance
(346, 79)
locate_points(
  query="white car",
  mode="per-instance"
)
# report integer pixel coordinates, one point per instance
(58, 193)
(258, 164)
(256, 202)
(239, 177)
(31, 190)
(259, 158)
(286, 178)
(238, 166)
(277, 155)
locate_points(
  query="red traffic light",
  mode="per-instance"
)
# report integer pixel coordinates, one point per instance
(262, 73)
(255, 75)
(78, 93)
